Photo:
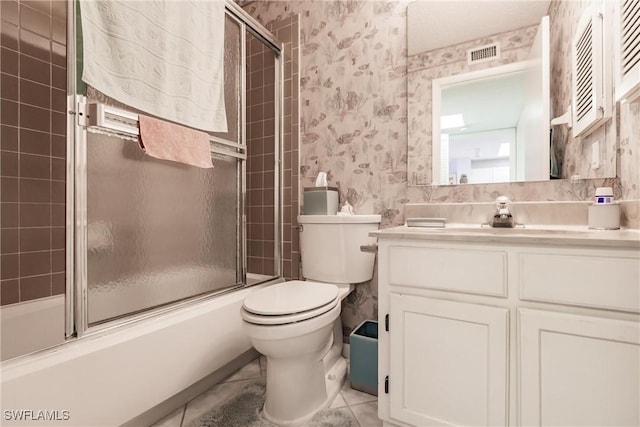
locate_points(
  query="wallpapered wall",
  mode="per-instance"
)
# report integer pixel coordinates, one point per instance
(353, 121)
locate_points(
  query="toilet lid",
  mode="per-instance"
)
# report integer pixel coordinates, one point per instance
(290, 298)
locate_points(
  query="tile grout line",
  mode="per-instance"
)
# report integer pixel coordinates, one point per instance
(184, 412)
(354, 416)
(351, 411)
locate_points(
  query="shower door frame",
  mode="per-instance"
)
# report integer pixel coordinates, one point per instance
(76, 297)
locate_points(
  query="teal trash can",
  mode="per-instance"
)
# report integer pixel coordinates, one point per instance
(364, 357)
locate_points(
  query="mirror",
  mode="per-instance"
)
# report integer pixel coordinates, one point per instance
(490, 125)
(442, 83)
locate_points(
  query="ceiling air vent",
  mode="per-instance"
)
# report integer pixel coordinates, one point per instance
(590, 104)
(483, 53)
(627, 34)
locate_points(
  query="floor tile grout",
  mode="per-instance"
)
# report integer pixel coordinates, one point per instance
(353, 415)
(184, 411)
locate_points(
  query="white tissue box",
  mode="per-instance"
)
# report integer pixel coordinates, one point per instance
(320, 201)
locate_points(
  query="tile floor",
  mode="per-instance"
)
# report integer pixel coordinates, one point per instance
(363, 406)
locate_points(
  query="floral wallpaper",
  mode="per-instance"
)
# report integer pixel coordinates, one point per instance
(628, 164)
(353, 109)
(353, 122)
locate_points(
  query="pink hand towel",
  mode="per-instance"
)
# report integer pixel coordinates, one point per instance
(168, 141)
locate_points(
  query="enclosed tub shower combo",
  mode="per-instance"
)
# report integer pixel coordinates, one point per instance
(156, 266)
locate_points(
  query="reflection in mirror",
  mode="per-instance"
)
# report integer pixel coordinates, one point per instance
(513, 98)
(430, 22)
(483, 119)
(478, 138)
(435, 54)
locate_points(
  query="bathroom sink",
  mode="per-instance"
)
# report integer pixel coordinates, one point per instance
(526, 230)
(440, 225)
(569, 234)
(568, 230)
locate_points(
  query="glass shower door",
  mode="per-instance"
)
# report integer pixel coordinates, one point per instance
(157, 231)
(151, 232)
(160, 231)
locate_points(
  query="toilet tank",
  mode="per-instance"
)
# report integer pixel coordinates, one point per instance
(330, 247)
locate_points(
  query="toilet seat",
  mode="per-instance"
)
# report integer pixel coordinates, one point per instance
(289, 302)
(291, 318)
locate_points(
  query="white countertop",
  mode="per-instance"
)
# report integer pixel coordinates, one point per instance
(530, 234)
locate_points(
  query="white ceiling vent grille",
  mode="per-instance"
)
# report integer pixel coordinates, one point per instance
(485, 53)
(627, 33)
(589, 65)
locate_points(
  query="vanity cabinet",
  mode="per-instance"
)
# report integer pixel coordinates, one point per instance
(448, 362)
(578, 370)
(493, 331)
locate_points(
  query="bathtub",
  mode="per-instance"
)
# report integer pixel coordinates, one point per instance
(111, 378)
(31, 325)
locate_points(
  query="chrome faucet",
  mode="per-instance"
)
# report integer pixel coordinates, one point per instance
(502, 217)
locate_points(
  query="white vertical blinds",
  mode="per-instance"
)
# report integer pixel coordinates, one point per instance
(627, 49)
(585, 85)
(589, 71)
(630, 43)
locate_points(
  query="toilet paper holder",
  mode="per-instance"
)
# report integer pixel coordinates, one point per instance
(369, 248)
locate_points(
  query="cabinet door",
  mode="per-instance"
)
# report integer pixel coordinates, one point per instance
(448, 362)
(578, 370)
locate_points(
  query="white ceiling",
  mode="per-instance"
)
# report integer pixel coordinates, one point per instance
(433, 24)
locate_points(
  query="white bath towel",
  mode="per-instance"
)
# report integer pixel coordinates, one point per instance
(162, 57)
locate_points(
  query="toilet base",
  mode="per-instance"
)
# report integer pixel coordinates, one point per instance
(335, 378)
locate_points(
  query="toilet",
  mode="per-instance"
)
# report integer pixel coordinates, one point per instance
(296, 324)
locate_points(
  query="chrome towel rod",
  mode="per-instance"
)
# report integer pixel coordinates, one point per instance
(125, 122)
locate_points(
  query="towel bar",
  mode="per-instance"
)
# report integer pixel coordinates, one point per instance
(122, 121)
